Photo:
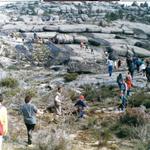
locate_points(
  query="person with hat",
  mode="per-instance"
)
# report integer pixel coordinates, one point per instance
(80, 105)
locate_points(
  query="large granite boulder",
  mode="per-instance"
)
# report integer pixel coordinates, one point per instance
(63, 39)
(122, 50)
(83, 67)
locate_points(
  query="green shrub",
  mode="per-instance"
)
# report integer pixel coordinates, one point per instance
(133, 117)
(99, 93)
(105, 136)
(140, 98)
(9, 82)
(70, 77)
(30, 92)
(111, 16)
(13, 67)
(12, 92)
(72, 95)
(124, 131)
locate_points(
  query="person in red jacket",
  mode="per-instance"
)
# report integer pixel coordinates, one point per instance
(129, 84)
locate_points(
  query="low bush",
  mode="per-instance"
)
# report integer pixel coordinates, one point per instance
(70, 77)
(9, 82)
(98, 93)
(55, 140)
(30, 92)
(13, 67)
(140, 98)
(124, 131)
(133, 117)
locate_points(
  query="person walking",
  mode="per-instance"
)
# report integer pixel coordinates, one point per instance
(110, 67)
(119, 80)
(29, 112)
(3, 121)
(80, 104)
(58, 101)
(142, 67)
(129, 84)
(123, 100)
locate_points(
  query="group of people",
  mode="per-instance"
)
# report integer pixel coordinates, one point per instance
(125, 86)
(29, 112)
(133, 64)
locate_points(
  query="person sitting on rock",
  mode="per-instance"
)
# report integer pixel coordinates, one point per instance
(80, 105)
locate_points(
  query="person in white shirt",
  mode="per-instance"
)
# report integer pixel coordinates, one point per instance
(110, 67)
(58, 101)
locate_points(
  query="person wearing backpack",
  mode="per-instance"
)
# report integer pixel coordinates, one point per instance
(29, 112)
(3, 121)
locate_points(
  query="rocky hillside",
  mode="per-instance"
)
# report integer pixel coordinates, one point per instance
(40, 49)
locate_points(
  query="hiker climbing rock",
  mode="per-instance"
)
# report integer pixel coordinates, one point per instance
(29, 112)
(3, 121)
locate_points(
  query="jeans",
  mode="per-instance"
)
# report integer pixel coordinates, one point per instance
(30, 128)
(1, 141)
(128, 92)
(81, 114)
(110, 69)
(124, 102)
(119, 85)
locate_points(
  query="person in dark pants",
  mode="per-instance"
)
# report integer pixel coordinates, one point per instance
(29, 112)
(80, 104)
(119, 80)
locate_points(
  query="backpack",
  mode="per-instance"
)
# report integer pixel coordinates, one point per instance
(1, 127)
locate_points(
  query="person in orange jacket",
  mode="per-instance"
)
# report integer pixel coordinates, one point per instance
(3, 121)
(129, 85)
